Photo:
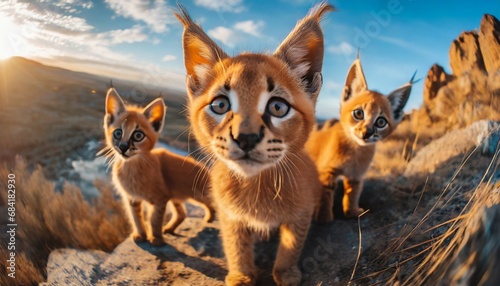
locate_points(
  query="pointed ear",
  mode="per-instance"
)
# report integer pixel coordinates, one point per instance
(155, 113)
(200, 52)
(303, 49)
(355, 81)
(398, 99)
(114, 105)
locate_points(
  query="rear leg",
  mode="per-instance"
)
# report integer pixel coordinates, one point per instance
(178, 216)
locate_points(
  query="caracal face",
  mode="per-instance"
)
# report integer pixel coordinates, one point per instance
(252, 113)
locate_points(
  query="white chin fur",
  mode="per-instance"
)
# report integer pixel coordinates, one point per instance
(360, 141)
(246, 170)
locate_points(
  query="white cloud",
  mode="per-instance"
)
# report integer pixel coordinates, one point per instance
(225, 35)
(343, 48)
(235, 6)
(169, 58)
(132, 35)
(56, 36)
(155, 13)
(250, 27)
(406, 45)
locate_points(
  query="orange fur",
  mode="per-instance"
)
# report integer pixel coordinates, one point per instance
(143, 173)
(253, 114)
(345, 148)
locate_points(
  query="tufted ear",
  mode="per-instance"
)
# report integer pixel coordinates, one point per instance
(355, 81)
(398, 99)
(155, 113)
(114, 106)
(200, 52)
(303, 49)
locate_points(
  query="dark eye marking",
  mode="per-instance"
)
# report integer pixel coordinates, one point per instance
(270, 84)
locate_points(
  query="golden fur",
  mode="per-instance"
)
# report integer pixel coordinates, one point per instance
(253, 113)
(345, 148)
(143, 173)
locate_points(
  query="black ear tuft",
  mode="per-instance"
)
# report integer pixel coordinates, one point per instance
(156, 125)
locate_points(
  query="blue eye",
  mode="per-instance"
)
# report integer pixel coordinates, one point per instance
(117, 134)
(220, 105)
(278, 107)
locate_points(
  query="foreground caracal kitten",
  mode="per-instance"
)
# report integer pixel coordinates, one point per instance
(253, 113)
(345, 148)
(143, 173)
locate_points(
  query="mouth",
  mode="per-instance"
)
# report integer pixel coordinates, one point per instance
(247, 159)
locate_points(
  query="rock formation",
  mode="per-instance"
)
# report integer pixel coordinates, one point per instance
(489, 41)
(465, 53)
(472, 91)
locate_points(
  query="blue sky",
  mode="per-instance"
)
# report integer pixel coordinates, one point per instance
(141, 40)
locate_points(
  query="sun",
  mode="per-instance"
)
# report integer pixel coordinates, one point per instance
(8, 33)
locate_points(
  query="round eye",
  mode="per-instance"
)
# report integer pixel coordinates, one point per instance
(278, 107)
(358, 114)
(380, 122)
(220, 105)
(138, 136)
(117, 134)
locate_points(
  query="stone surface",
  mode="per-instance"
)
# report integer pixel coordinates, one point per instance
(465, 53)
(436, 78)
(482, 134)
(489, 41)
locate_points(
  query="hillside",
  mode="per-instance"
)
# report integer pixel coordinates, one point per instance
(49, 114)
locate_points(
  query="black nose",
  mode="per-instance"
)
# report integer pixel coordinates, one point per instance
(369, 132)
(123, 147)
(247, 142)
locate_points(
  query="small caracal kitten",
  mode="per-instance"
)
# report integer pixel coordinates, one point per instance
(345, 148)
(141, 172)
(253, 113)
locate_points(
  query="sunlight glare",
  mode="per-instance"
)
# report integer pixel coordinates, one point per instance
(7, 33)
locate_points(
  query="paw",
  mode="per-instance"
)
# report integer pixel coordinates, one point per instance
(287, 277)
(168, 230)
(138, 237)
(353, 213)
(157, 241)
(239, 279)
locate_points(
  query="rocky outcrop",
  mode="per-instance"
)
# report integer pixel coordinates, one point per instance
(489, 41)
(472, 91)
(484, 135)
(465, 53)
(436, 78)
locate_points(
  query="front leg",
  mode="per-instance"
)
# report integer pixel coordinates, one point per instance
(292, 237)
(238, 247)
(134, 208)
(157, 222)
(178, 216)
(324, 212)
(350, 201)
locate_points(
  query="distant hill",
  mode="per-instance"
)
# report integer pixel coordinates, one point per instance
(46, 113)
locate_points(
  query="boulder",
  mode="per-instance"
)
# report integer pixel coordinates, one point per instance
(465, 53)
(489, 41)
(484, 135)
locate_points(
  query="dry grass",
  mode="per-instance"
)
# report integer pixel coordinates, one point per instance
(48, 220)
(452, 235)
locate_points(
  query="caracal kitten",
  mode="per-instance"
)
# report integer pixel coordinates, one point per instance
(253, 113)
(345, 148)
(141, 172)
